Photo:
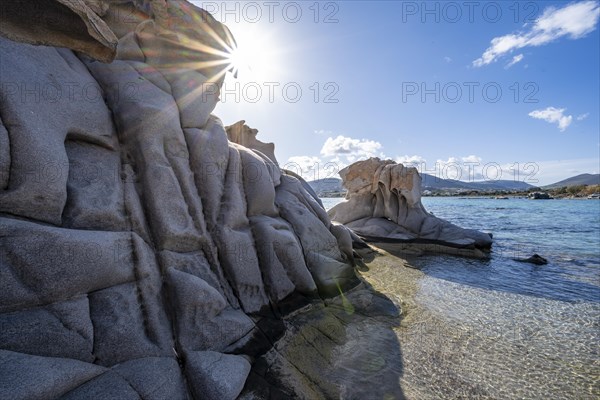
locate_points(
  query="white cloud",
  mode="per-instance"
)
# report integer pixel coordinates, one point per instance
(336, 154)
(553, 115)
(574, 20)
(305, 166)
(410, 160)
(352, 149)
(448, 59)
(451, 160)
(582, 116)
(514, 60)
(471, 159)
(312, 168)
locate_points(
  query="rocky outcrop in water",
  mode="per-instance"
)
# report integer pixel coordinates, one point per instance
(383, 204)
(534, 259)
(142, 253)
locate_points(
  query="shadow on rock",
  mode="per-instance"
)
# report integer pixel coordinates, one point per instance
(343, 348)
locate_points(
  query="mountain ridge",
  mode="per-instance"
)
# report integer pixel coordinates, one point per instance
(431, 182)
(581, 179)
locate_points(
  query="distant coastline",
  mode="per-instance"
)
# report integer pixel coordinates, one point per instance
(573, 192)
(580, 186)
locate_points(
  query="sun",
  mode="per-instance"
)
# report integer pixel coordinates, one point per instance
(258, 55)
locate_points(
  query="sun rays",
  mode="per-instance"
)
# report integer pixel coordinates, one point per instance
(192, 45)
(257, 56)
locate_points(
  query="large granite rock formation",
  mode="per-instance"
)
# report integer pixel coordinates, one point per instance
(383, 204)
(142, 253)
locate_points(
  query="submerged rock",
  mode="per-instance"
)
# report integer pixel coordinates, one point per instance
(383, 204)
(534, 259)
(345, 349)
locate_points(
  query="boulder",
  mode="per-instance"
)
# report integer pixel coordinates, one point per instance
(383, 204)
(534, 259)
(140, 239)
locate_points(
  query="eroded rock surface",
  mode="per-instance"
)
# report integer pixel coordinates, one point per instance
(383, 204)
(142, 253)
(242, 134)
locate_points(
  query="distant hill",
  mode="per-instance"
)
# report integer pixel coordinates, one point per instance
(327, 185)
(583, 179)
(430, 182)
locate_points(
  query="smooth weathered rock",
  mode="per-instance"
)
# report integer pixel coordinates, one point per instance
(154, 378)
(383, 204)
(151, 135)
(107, 386)
(241, 133)
(235, 240)
(216, 376)
(280, 255)
(135, 237)
(48, 96)
(24, 376)
(41, 264)
(259, 182)
(331, 271)
(94, 170)
(208, 159)
(196, 264)
(204, 320)
(122, 329)
(57, 330)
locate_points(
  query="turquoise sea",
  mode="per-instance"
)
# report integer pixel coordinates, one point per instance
(566, 232)
(537, 328)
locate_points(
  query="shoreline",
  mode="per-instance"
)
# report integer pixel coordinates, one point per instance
(454, 348)
(489, 197)
(403, 333)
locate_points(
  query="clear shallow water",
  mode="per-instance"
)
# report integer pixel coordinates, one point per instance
(565, 232)
(518, 330)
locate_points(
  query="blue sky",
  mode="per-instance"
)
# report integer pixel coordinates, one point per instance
(469, 90)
